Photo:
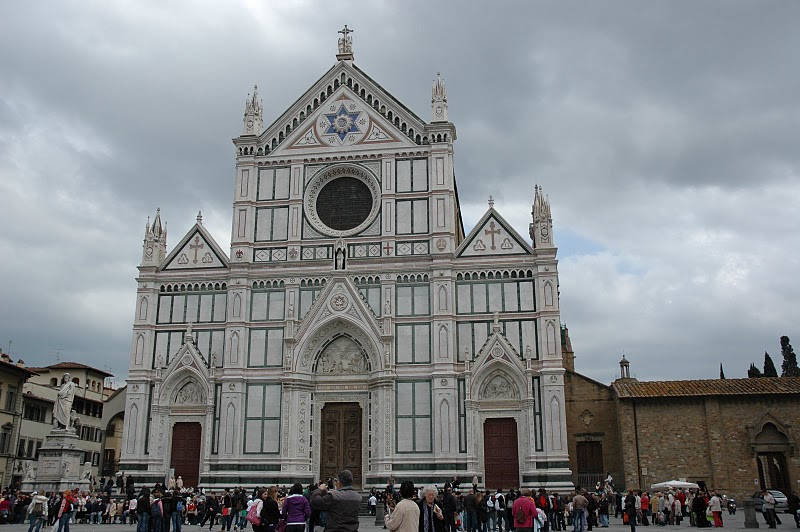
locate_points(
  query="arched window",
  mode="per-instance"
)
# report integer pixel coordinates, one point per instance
(53, 382)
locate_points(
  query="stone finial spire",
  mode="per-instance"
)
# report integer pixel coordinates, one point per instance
(541, 227)
(439, 100)
(199, 218)
(155, 241)
(345, 45)
(491, 202)
(253, 114)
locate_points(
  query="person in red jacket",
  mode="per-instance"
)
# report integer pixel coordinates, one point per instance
(645, 501)
(523, 512)
(65, 511)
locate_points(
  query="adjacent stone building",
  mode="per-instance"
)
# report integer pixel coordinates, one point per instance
(736, 435)
(354, 324)
(12, 378)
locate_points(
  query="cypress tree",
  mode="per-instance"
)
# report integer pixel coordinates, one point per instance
(789, 366)
(754, 372)
(721, 371)
(769, 366)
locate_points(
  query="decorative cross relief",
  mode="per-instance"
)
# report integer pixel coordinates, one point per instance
(196, 247)
(491, 232)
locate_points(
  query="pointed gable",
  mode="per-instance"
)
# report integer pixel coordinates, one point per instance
(345, 108)
(197, 250)
(343, 121)
(340, 298)
(492, 235)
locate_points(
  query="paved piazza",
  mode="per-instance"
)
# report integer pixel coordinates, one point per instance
(731, 522)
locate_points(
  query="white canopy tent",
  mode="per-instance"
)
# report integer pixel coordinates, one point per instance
(674, 484)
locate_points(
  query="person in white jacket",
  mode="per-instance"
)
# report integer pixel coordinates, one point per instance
(37, 511)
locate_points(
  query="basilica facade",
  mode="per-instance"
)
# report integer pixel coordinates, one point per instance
(353, 323)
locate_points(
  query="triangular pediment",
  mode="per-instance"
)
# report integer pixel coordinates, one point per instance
(304, 126)
(339, 299)
(343, 122)
(197, 250)
(497, 348)
(492, 235)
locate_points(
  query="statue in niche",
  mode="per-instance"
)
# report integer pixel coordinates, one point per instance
(339, 259)
(341, 356)
(499, 388)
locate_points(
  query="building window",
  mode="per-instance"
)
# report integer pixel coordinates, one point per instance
(413, 421)
(33, 412)
(95, 459)
(411, 175)
(413, 343)
(267, 305)
(196, 307)
(208, 342)
(11, 399)
(462, 416)
(307, 298)
(266, 348)
(413, 300)
(215, 429)
(5, 438)
(21, 448)
(537, 415)
(411, 217)
(87, 456)
(472, 335)
(371, 292)
(272, 223)
(497, 296)
(262, 419)
(53, 382)
(112, 428)
(273, 183)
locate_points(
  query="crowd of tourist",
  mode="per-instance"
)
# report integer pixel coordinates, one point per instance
(332, 505)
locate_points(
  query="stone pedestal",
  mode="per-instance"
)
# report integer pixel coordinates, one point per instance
(60, 464)
(750, 520)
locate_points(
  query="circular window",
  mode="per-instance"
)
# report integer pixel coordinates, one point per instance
(342, 200)
(344, 203)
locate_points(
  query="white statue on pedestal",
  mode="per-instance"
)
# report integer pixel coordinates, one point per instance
(63, 406)
(87, 470)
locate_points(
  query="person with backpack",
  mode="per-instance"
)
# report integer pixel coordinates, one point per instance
(156, 512)
(227, 510)
(178, 508)
(37, 511)
(500, 509)
(510, 498)
(491, 511)
(524, 511)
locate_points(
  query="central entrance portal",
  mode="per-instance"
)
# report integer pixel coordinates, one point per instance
(186, 438)
(500, 453)
(341, 441)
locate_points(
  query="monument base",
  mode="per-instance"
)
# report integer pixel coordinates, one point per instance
(59, 465)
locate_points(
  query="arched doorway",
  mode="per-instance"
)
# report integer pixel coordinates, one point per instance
(771, 446)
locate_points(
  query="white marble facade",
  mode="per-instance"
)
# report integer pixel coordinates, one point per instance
(386, 304)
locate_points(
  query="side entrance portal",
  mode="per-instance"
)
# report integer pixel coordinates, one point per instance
(501, 456)
(186, 439)
(341, 441)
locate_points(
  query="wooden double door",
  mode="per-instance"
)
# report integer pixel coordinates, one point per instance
(186, 439)
(500, 453)
(341, 441)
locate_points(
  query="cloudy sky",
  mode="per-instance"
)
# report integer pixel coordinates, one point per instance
(667, 136)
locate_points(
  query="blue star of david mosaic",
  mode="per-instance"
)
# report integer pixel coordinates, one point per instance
(342, 123)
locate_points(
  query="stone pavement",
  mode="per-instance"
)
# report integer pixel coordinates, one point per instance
(731, 522)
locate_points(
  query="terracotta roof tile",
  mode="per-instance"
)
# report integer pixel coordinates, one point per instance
(761, 386)
(72, 365)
